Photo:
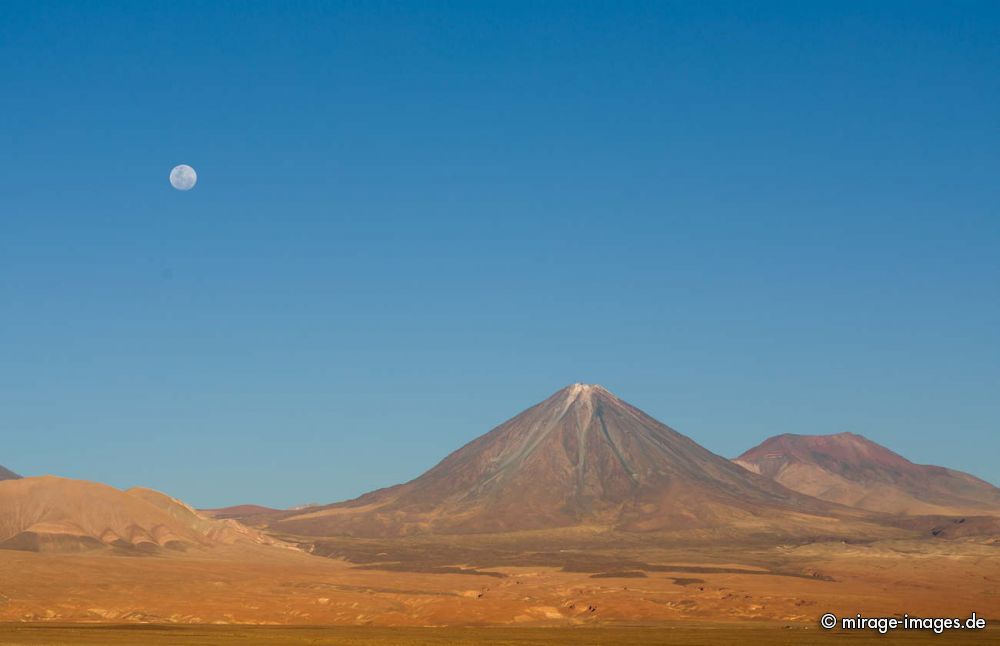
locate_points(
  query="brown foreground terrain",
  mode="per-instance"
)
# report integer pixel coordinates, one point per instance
(678, 633)
(593, 580)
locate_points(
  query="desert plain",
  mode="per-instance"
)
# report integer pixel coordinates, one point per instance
(581, 520)
(596, 581)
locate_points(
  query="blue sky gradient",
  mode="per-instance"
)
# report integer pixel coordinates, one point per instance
(413, 220)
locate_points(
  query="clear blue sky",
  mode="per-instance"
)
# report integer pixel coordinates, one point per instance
(414, 220)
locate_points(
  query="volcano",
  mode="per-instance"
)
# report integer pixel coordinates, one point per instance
(852, 470)
(582, 457)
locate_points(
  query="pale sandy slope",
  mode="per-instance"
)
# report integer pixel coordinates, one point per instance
(52, 514)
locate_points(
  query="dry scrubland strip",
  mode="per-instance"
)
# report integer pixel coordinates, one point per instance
(702, 634)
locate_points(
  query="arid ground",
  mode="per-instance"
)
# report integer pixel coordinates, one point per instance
(599, 580)
(676, 633)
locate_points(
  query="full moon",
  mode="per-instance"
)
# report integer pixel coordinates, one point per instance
(183, 177)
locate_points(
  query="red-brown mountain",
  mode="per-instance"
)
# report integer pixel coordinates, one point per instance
(7, 474)
(581, 457)
(852, 470)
